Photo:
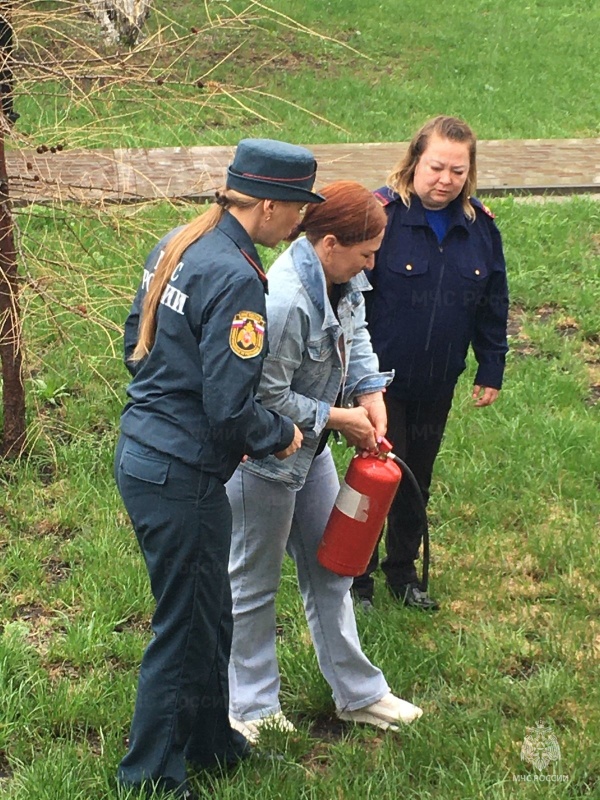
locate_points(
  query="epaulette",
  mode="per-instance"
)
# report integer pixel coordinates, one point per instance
(478, 204)
(385, 195)
(255, 266)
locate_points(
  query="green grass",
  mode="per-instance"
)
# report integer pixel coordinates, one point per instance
(374, 72)
(514, 526)
(514, 510)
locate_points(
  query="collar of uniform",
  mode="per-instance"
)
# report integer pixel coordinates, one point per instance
(239, 236)
(415, 215)
(312, 277)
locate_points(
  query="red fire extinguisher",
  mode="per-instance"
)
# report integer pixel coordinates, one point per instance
(360, 511)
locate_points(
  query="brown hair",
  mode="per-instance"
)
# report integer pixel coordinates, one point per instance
(170, 257)
(350, 212)
(401, 178)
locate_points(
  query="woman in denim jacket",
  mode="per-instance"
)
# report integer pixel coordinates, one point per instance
(321, 371)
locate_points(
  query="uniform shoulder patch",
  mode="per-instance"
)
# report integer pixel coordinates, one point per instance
(478, 204)
(385, 195)
(247, 334)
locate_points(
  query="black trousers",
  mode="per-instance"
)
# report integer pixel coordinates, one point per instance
(416, 429)
(182, 520)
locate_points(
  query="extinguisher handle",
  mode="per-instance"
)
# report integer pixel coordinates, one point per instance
(384, 445)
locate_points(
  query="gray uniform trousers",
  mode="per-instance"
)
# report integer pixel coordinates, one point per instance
(182, 521)
(268, 519)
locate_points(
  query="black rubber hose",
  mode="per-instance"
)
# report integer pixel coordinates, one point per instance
(421, 510)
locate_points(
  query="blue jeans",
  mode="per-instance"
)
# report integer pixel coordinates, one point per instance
(182, 521)
(268, 519)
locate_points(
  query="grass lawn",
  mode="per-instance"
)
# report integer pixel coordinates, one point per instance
(363, 72)
(514, 510)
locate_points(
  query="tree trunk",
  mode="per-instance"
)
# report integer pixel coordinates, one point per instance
(11, 356)
(121, 20)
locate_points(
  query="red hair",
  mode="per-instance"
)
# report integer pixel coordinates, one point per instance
(351, 213)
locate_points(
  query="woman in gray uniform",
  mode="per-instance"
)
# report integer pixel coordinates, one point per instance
(194, 343)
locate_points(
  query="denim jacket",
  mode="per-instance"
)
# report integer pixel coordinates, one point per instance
(313, 357)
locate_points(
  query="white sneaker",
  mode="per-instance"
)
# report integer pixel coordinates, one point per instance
(385, 713)
(251, 728)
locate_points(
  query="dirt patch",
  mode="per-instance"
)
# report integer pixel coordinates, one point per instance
(56, 569)
(42, 625)
(590, 350)
(582, 585)
(136, 623)
(328, 728)
(520, 668)
(62, 670)
(30, 613)
(537, 575)
(47, 527)
(47, 473)
(527, 590)
(516, 318)
(546, 312)
(318, 759)
(460, 608)
(591, 354)
(91, 737)
(256, 51)
(6, 772)
(95, 742)
(525, 348)
(292, 61)
(520, 343)
(593, 397)
(101, 429)
(567, 326)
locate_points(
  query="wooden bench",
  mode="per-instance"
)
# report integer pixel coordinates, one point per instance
(527, 166)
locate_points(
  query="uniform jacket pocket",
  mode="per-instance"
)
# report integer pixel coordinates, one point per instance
(410, 267)
(474, 271)
(410, 280)
(145, 468)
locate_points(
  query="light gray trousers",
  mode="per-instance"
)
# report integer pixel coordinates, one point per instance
(268, 519)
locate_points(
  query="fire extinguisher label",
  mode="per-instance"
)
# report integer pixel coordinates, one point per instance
(352, 503)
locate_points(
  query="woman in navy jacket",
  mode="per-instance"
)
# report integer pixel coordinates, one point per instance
(439, 286)
(195, 341)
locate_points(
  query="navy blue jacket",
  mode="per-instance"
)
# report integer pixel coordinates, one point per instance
(431, 300)
(193, 396)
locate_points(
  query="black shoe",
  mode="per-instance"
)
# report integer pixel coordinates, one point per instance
(413, 597)
(364, 603)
